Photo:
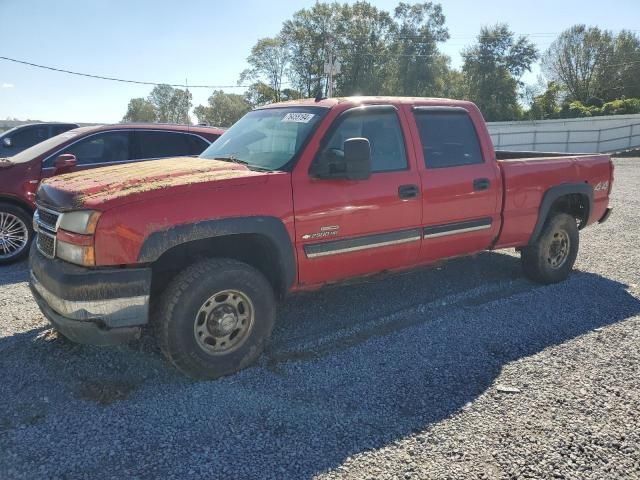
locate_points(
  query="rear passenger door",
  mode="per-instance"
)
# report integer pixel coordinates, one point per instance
(161, 144)
(460, 188)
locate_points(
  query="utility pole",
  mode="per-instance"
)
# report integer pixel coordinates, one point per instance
(331, 68)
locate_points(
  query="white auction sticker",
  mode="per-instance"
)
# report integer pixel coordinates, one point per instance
(299, 117)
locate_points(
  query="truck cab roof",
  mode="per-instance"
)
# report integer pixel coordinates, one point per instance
(367, 100)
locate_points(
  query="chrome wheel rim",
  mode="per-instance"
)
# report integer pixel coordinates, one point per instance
(223, 322)
(14, 235)
(558, 249)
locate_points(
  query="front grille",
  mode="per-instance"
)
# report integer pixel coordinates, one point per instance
(46, 244)
(47, 218)
(47, 225)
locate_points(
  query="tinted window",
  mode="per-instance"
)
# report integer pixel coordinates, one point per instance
(58, 129)
(197, 145)
(383, 131)
(448, 139)
(100, 148)
(29, 136)
(162, 144)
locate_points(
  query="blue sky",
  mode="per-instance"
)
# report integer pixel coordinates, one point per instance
(206, 42)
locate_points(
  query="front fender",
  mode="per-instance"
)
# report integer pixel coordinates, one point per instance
(270, 227)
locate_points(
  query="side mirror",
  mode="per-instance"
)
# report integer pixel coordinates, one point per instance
(6, 141)
(357, 156)
(351, 163)
(64, 164)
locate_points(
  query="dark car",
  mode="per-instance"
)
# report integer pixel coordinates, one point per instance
(22, 137)
(79, 149)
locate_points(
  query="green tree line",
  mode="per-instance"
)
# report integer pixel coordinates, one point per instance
(587, 71)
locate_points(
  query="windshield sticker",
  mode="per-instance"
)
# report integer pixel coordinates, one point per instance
(298, 117)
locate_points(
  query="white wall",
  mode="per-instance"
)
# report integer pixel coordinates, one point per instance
(573, 135)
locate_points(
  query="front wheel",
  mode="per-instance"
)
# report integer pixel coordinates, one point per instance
(550, 259)
(16, 233)
(215, 318)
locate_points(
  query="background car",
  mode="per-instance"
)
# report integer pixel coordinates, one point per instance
(24, 136)
(78, 149)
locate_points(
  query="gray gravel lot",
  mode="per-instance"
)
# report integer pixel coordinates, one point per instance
(461, 371)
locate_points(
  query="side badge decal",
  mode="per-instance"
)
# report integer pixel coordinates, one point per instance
(326, 231)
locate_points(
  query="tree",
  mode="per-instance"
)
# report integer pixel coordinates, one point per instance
(223, 109)
(448, 82)
(259, 93)
(578, 59)
(164, 104)
(172, 105)
(308, 36)
(626, 64)
(362, 42)
(268, 61)
(493, 68)
(414, 50)
(140, 110)
(379, 53)
(546, 104)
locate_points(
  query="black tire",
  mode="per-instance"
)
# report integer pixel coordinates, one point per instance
(15, 213)
(543, 261)
(180, 312)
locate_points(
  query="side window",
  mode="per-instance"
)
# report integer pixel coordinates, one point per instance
(196, 145)
(58, 129)
(100, 148)
(448, 139)
(30, 136)
(162, 144)
(384, 133)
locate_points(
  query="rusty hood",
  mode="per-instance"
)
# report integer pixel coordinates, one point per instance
(102, 187)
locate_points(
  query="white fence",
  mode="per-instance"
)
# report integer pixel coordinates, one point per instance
(576, 135)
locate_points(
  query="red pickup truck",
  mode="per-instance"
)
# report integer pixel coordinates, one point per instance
(293, 196)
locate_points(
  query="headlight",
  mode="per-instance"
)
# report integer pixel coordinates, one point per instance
(36, 219)
(82, 221)
(78, 254)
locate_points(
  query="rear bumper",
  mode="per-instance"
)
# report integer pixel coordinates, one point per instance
(606, 215)
(92, 306)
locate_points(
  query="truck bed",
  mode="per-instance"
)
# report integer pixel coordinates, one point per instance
(528, 175)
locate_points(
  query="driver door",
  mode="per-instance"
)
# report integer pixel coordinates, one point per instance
(347, 228)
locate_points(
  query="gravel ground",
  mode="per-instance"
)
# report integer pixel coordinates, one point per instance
(462, 371)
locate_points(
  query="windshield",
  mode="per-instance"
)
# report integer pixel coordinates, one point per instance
(49, 144)
(268, 138)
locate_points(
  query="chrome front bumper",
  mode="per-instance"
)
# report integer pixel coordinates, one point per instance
(99, 306)
(114, 311)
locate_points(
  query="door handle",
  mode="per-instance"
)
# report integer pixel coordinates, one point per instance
(481, 184)
(408, 191)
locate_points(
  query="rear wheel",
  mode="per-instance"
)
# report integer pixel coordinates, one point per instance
(215, 318)
(550, 259)
(16, 233)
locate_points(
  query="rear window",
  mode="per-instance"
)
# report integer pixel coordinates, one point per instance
(448, 138)
(163, 144)
(29, 136)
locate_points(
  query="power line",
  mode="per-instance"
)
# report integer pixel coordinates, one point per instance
(114, 79)
(472, 36)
